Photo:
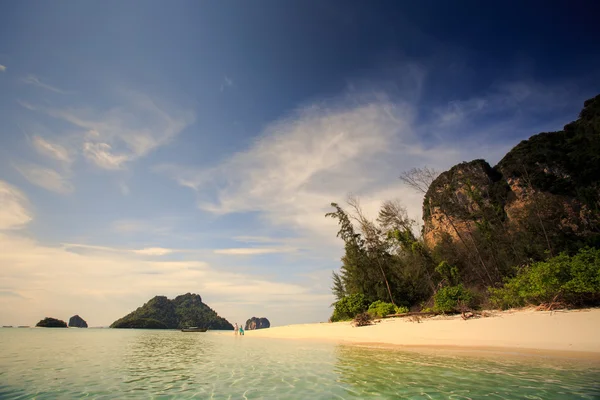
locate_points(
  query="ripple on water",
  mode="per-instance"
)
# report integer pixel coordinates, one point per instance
(110, 364)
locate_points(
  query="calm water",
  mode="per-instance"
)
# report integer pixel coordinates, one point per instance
(102, 363)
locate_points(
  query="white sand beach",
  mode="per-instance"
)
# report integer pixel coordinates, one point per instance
(572, 331)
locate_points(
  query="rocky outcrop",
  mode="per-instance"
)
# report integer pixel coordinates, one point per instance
(77, 322)
(182, 312)
(552, 177)
(461, 197)
(257, 323)
(51, 323)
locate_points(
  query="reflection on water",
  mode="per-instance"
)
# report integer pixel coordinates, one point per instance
(111, 364)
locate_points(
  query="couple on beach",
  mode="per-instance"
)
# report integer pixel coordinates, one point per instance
(240, 329)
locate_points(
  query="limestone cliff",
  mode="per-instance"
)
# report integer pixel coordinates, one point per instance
(549, 182)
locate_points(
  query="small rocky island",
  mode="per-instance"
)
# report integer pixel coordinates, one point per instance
(183, 311)
(51, 323)
(77, 322)
(257, 323)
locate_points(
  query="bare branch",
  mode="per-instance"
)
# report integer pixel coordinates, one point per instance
(419, 178)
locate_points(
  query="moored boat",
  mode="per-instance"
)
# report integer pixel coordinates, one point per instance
(194, 329)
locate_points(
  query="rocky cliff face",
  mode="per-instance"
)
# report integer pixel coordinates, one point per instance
(550, 179)
(257, 323)
(77, 322)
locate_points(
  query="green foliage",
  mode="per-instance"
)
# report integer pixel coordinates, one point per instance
(448, 272)
(139, 323)
(449, 298)
(401, 310)
(182, 312)
(381, 308)
(543, 198)
(349, 306)
(51, 323)
(572, 280)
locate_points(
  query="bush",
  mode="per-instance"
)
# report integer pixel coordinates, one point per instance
(381, 308)
(449, 298)
(363, 319)
(401, 310)
(574, 281)
(348, 307)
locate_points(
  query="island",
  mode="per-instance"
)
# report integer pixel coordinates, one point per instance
(182, 312)
(77, 322)
(257, 323)
(51, 323)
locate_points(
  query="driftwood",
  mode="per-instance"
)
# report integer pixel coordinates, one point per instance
(410, 314)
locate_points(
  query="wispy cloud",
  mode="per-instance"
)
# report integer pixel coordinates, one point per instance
(252, 251)
(2, 68)
(359, 144)
(35, 81)
(107, 283)
(53, 150)
(153, 251)
(14, 207)
(227, 83)
(46, 178)
(125, 133)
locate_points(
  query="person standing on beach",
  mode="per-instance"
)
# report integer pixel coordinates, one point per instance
(241, 331)
(235, 329)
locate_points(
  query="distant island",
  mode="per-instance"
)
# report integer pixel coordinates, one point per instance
(183, 311)
(77, 322)
(257, 323)
(51, 323)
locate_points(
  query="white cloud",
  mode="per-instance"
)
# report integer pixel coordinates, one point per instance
(50, 149)
(35, 81)
(101, 154)
(319, 155)
(45, 177)
(105, 284)
(248, 251)
(2, 68)
(153, 251)
(124, 133)
(14, 207)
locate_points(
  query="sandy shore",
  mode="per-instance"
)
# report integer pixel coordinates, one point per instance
(528, 330)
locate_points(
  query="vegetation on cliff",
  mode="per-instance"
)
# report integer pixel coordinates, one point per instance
(523, 232)
(182, 312)
(51, 323)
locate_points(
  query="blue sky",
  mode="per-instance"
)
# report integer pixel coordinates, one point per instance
(162, 148)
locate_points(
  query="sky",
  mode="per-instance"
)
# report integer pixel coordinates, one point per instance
(159, 148)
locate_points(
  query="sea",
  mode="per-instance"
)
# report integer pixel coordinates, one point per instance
(38, 363)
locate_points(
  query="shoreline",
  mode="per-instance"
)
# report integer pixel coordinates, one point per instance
(563, 333)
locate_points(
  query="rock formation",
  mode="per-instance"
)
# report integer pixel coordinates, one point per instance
(552, 177)
(257, 323)
(51, 323)
(77, 322)
(182, 312)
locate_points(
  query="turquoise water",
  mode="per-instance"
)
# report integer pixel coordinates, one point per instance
(112, 364)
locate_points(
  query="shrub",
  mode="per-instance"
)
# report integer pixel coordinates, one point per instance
(381, 308)
(401, 310)
(574, 281)
(348, 307)
(362, 319)
(449, 298)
